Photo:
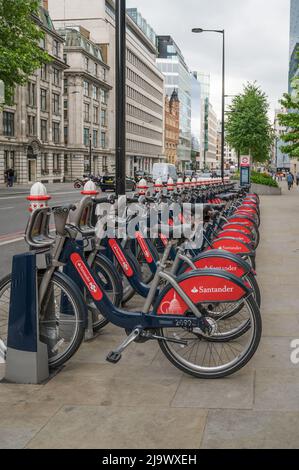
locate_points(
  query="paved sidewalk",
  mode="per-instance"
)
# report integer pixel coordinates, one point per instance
(145, 402)
(25, 189)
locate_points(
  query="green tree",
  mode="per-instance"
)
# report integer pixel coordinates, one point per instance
(291, 121)
(248, 128)
(20, 53)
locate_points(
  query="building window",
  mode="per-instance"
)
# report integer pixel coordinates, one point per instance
(86, 112)
(56, 76)
(56, 129)
(95, 92)
(103, 117)
(65, 86)
(44, 164)
(56, 48)
(86, 88)
(32, 94)
(65, 57)
(86, 62)
(8, 124)
(44, 130)
(95, 115)
(56, 103)
(104, 96)
(86, 136)
(42, 42)
(66, 164)
(43, 99)
(105, 164)
(31, 125)
(44, 72)
(56, 163)
(96, 69)
(103, 140)
(9, 159)
(104, 75)
(95, 139)
(66, 135)
(65, 109)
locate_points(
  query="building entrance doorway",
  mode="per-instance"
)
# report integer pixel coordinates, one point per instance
(31, 171)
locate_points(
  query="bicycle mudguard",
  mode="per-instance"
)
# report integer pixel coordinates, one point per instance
(239, 227)
(220, 260)
(232, 246)
(235, 234)
(242, 219)
(201, 287)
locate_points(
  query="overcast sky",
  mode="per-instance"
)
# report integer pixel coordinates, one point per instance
(257, 35)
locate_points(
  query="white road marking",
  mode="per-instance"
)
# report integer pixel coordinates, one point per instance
(5, 208)
(9, 242)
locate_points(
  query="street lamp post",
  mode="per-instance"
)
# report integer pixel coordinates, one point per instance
(90, 154)
(219, 31)
(120, 96)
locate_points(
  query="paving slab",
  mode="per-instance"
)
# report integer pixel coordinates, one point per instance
(280, 325)
(274, 352)
(239, 429)
(18, 393)
(20, 422)
(92, 427)
(277, 389)
(126, 390)
(232, 392)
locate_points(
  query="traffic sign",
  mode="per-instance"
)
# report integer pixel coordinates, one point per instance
(245, 161)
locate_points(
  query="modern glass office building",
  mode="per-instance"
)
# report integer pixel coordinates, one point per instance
(172, 64)
(294, 40)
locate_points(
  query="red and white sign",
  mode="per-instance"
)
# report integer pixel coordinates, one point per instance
(120, 256)
(245, 161)
(86, 277)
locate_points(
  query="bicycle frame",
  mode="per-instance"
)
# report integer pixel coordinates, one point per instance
(231, 287)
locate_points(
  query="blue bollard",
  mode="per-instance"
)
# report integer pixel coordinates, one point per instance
(27, 356)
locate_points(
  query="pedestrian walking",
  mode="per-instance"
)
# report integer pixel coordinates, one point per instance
(290, 181)
(10, 177)
(297, 178)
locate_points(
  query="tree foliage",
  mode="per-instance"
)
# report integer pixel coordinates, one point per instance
(20, 53)
(291, 121)
(248, 128)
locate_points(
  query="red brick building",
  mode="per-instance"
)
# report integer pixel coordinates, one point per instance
(172, 127)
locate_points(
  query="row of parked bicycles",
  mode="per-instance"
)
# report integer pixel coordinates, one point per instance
(201, 300)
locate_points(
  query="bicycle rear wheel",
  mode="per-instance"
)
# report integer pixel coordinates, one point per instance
(219, 355)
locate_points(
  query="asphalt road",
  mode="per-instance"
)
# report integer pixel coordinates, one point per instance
(13, 219)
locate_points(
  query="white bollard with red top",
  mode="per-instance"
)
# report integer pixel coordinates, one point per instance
(194, 183)
(38, 197)
(142, 187)
(158, 186)
(90, 189)
(187, 183)
(180, 183)
(170, 185)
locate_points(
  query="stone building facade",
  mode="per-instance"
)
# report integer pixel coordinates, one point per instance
(31, 131)
(172, 127)
(86, 96)
(145, 84)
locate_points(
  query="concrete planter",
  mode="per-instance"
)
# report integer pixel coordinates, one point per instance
(263, 190)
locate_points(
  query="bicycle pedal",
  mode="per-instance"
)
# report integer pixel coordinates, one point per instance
(113, 357)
